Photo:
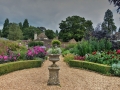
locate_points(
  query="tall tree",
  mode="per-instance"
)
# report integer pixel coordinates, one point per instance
(25, 24)
(15, 33)
(108, 23)
(5, 28)
(74, 27)
(20, 25)
(50, 34)
(28, 33)
(116, 3)
(56, 33)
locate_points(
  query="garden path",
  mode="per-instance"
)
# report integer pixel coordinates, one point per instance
(70, 79)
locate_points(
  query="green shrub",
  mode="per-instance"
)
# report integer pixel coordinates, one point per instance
(35, 43)
(19, 65)
(82, 48)
(65, 52)
(91, 66)
(68, 57)
(56, 42)
(88, 46)
(116, 69)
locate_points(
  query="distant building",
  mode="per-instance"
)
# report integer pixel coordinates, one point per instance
(40, 37)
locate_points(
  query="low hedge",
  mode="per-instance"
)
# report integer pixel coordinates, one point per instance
(104, 69)
(19, 65)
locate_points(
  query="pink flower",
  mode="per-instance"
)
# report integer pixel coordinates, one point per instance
(5, 57)
(14, 58)
(118, 51)
(18, 54)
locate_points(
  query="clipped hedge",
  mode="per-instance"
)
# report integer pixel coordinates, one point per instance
(105, 69)
(19, 65)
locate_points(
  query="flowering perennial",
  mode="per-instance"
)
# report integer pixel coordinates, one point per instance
(36, 51)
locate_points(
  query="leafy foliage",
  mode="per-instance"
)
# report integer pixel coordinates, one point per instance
(25, 24)
(88, 46)
(56, 43)
(50, 34)
(35, 43)
(28, 33)
(68, 57)
(74, 27)
(5, 30)
(15, 33)
(108, 23)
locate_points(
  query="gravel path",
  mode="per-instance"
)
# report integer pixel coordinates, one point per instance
(70, 79)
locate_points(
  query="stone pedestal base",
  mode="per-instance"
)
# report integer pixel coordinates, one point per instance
(53, 75)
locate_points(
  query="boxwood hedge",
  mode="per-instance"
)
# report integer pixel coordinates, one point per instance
(19, 65)
(104, 69)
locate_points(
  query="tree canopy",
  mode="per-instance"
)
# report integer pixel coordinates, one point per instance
(50, 34)
(15, 33)
(108, 23)
(74, 27)
(5, 28)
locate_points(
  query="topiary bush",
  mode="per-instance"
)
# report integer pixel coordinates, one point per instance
(56, 42)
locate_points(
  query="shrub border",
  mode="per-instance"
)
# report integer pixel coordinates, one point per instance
(19, 65)
(104, 69)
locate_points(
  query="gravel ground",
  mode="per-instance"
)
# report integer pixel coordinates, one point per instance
(70, 79)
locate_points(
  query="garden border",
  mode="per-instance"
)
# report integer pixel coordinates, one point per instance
(101, 68)
(19, 65)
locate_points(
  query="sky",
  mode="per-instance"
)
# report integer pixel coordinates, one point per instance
(49, 13)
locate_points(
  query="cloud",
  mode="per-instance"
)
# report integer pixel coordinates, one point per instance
(49, 13)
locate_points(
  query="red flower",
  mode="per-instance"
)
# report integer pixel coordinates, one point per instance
(93, 53)
(118, 51)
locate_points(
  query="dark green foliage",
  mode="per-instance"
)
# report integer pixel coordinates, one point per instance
(108, 24)
(74, 27)
(28, 33)
(5, 30)
(91, 66)
(20, 25)
(25, 24)
(19, 65)
(82, 48)
(88, 46)
(50, 34)
(56, 43)
(35, 43)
